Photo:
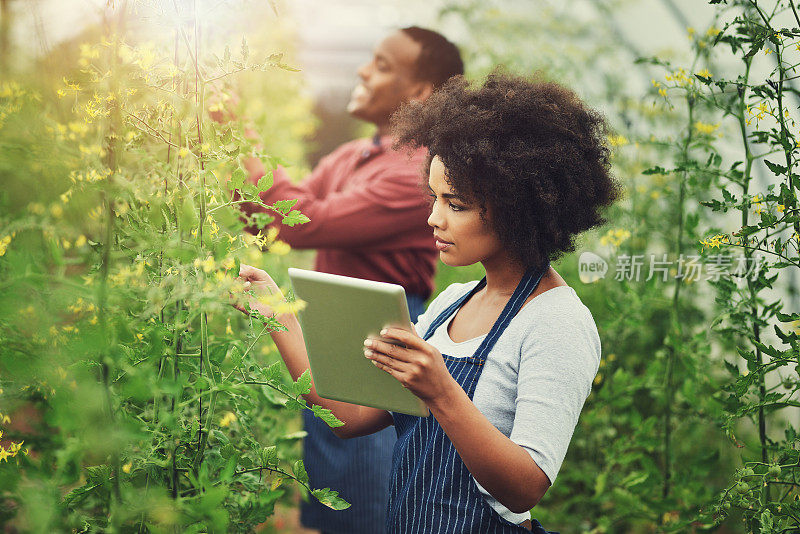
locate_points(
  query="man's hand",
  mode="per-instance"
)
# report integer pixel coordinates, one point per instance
(222, 108)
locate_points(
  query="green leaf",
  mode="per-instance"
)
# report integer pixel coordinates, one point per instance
(656, 170)
(261, 220)
(779, 170)
(330, 498)
(189, 218)
(283, 206)
(295, 217)
(300, 434)
(265, 182)
(326, 415)
(269, 456)
(299, 471)
(271, 373)
(303, 384)
(238, 177)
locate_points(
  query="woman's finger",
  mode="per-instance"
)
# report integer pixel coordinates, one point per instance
(406, 337)
(384, 362)
(392, 351)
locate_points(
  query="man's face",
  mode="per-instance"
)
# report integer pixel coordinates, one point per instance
(387, 80)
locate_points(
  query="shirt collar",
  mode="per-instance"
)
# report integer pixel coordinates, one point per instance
(378, 145)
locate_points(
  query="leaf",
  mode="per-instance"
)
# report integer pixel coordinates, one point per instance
(269, 456)
(303, 384)
(78, 494)
(189, 217)
(272, 372)
(300, 434)
(326, 415)
(295, 217)
(299, 471)
(787, 318)
(778, 170)
(656, 170)
(283, 206)
(330, 498)
(238, 177)
(261, 220)
(265, 182)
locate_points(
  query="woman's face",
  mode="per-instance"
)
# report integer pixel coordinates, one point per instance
(462, 236)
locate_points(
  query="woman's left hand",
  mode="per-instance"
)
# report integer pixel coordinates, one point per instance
(418, 366)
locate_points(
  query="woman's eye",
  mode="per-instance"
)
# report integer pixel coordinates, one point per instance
(456, 207)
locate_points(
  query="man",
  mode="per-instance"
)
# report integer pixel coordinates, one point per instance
(368, 220)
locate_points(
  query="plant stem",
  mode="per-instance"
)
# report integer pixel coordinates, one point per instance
(674, 319)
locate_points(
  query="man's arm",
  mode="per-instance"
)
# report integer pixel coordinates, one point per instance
(392, 203)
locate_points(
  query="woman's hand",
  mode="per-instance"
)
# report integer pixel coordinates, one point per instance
(262, 285)
(417, 365)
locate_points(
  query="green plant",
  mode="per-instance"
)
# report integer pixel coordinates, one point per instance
(134, 395)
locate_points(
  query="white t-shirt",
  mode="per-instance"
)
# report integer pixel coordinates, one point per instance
(535, 379)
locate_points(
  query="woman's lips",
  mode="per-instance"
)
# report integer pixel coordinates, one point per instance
(442, 245)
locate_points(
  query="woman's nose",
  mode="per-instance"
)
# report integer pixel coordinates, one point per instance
(434, 219)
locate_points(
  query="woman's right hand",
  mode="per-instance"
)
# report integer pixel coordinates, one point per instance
(262, 285)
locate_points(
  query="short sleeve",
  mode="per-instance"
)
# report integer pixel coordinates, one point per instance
(558, 362)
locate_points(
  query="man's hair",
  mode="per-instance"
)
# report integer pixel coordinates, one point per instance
(438, 60)
(528, 152)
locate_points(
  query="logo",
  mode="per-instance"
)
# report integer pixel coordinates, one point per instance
(591, 267)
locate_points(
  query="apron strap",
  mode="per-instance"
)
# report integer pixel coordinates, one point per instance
(450, 310)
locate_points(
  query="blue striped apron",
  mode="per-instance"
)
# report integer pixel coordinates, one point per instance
(431, 491)
(357, 468)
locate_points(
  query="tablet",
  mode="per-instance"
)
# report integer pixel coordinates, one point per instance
(340, 313)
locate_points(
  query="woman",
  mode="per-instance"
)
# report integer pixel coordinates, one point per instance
(516, 170)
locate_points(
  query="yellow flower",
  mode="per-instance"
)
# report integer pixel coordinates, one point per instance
(713, 31)
(207, 264)
(617, 140)
(56, 210)
(704, 73)
(4, 241)
(781, 208)
(280, 248)
(227, 419)
(183, 152)
(662, 92)
(615, 237)
(705, 128)
(126, 468)
(715, 241)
